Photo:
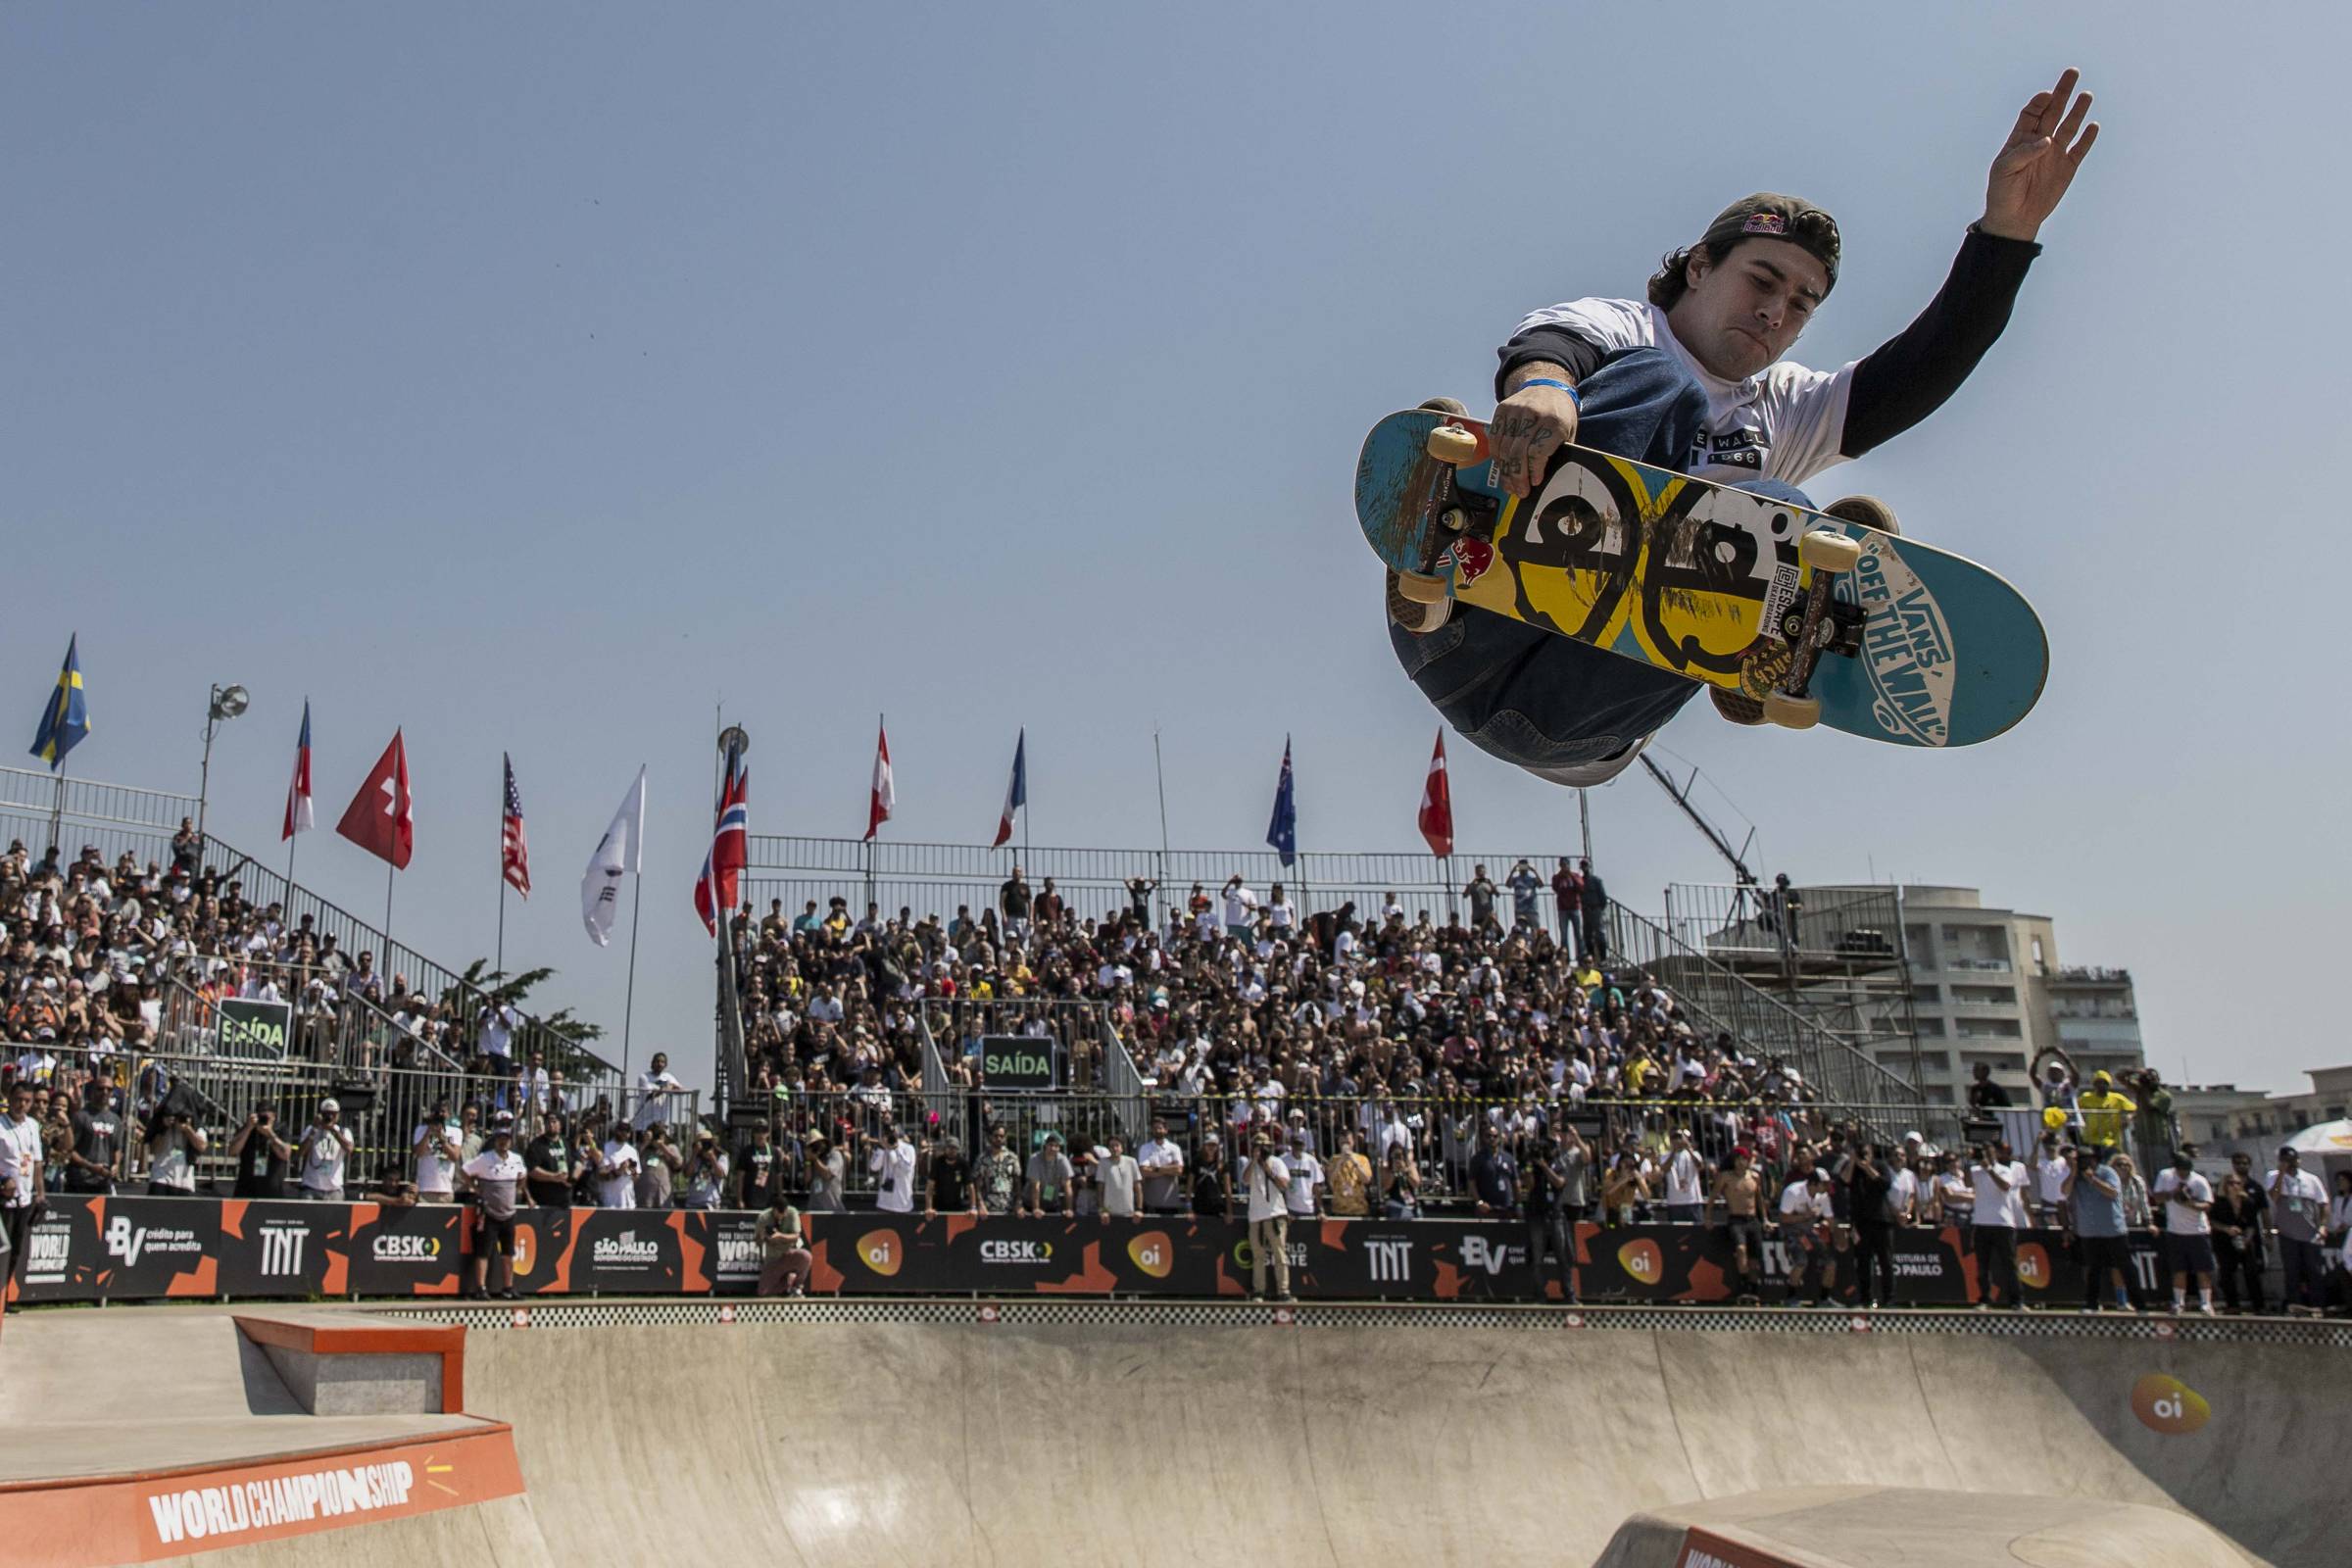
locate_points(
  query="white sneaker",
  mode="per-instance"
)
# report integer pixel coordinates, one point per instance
(1585, 776)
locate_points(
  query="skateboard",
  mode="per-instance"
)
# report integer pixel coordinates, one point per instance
(1818, 620)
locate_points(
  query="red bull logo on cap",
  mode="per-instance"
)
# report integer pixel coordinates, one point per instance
(1764, 223)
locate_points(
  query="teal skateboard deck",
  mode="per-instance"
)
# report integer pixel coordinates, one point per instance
(1817, 619)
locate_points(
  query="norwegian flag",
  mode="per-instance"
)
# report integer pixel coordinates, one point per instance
(299, 818)
(1437, 804)
(885, 795)
(719, 885)
(514, 849)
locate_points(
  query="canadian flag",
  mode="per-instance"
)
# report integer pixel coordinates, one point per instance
(1437, 804)
(885, 794)
(382, 818)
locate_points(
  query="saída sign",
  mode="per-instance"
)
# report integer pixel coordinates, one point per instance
(1019, 1062)
(255, 1029)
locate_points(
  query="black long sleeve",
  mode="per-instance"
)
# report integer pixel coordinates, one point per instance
(1910, 375)
(1553, 345)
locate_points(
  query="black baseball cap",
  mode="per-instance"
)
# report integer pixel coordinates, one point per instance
(1768, 215)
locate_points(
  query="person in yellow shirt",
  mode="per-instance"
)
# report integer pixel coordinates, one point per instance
(1348, 1178)
(2103, 1110)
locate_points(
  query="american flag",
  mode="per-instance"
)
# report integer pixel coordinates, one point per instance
(513, 848)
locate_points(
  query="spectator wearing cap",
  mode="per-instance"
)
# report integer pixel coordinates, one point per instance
(1305, 1190)
(325, 1151)
(1806, 1217)
(2298, 1205)
(1266, 1184)
(260, 1156)
(1049, 1182)
(437, 1153)
(617, 1168)
(2104, 1109)
(2188, 1200)
(947, 1179)
(1211, 1187)
(500, 1182)
(706, 1175)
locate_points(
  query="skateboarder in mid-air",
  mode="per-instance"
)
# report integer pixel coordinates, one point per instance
(1692, 380)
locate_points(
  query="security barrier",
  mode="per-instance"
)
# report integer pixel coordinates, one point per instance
(128, 1248)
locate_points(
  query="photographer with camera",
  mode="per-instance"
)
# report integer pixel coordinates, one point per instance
(1870, 1186)
(261, 1155)
(705, 1174)
(1997, 1184)
(173, 1149)
(437, 1153)
(2188, 1200)
(1550, 1219)
(1266, 1182)
(890, 1157)
(2095, 1193)
(326, 1150)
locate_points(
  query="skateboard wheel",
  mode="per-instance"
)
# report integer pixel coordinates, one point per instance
(1455, 519)
(1792, 713)
(1419, 588)
(1451, 444)
(1825, 550)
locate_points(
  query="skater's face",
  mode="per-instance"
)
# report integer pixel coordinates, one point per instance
(1744, 312)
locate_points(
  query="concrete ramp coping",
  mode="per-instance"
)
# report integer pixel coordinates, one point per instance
(342, 1364)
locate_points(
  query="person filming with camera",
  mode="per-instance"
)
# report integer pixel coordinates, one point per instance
(1266, 1184)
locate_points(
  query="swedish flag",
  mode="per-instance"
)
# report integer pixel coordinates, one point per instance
(66, 719)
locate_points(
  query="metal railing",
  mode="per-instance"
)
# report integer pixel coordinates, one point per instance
(1846, 925)
(1441, 1135)
(1762, 1025)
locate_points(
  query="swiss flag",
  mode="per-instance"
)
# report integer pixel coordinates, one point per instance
(381, 817)
(1437, 804)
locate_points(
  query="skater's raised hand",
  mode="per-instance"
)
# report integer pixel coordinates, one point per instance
(1528, 427)
(2039, 162)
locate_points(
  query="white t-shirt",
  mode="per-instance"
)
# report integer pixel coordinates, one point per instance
(1162, 1163)
(1241, 906)
(1120, 1177)
(20, 1157)
(435, 1171)
(2051, 1173)
(1798, 1200)
(2180, 1218)
(1902, 1189)
(1268, 1188)
(1784, 422)
(893, 1165)
(1995, 1205)
(1306, 1174)
(323, 1161)
(1682, 1170)
(619, 1190)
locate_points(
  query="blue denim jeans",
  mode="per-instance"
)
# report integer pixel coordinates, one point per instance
(1533, 697)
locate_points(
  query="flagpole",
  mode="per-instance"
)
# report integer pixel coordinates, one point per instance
(628, 1006)
(57, 817)
(390, 871)
(1159, 772)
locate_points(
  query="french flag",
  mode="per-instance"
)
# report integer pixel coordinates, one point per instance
(1017, 789)
(299, 818)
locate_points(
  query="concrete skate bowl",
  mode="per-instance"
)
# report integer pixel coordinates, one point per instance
(1157, 1433)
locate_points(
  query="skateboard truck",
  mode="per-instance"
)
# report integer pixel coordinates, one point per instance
(1825, 625)
(1459, 511)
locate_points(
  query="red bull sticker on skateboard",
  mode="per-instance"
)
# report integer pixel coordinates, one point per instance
(1471, 559)
(1906, 646)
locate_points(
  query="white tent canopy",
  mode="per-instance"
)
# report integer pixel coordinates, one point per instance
(2328, 1138)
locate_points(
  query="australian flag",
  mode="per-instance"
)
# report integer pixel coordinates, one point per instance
(1283, 832)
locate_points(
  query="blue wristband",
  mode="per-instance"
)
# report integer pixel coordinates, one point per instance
(1545, 381)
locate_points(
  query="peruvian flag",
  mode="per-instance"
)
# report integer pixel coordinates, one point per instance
(1016, 790)
(885, 795)
(381, 817)
(1437, 804)
(718, 886)
(299, 818)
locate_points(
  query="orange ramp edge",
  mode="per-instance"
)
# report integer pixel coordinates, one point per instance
(87, 1521)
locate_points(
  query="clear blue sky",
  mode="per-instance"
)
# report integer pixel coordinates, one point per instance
(537, 376)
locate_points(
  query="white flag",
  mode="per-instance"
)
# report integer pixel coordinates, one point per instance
(621, 851)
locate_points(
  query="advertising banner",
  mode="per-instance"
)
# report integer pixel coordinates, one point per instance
(127, 1249)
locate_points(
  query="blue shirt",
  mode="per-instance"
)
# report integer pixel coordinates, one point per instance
(2095, 1213)
(1496, 1178)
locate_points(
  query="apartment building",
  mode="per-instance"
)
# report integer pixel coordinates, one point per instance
(1987, 985)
